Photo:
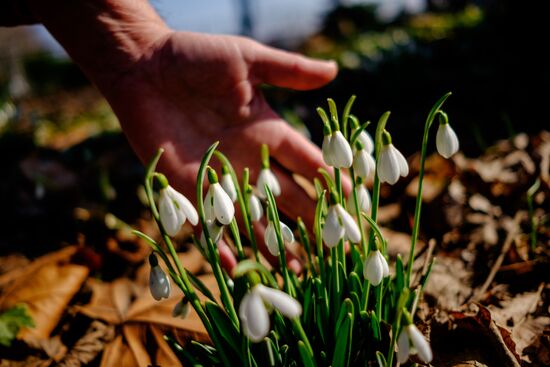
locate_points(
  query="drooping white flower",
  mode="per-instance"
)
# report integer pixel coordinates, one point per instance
(339, 224)
(326, 149)
(363, 199)
(159, 284)
(174, 210)
(342, 157)
(411, 341)
(363, 164)
(366, 140)
(375, 268)
(229, 186)
(215, 231)
(270, 237)
(217, 204)
(446, 140)
(254, 313)
(392, 164)
(255, 207)
(267, 177)
(181, 309)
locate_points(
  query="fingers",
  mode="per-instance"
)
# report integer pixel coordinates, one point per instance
(289, 70)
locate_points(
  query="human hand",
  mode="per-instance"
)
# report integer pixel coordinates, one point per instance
(193, 89)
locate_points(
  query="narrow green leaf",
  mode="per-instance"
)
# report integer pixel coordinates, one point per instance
(343, 343)
(224, 326)
(198, 284)
(375, 325)
(381, 359)
(345, 114)
(357, 132)
(307, 358)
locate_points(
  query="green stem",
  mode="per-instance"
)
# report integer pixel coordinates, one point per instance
(298, 328)
(213, 255)
(358, 212)
(418, 205)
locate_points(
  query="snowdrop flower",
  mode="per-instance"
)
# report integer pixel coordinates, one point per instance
(215, 230)
(363, 199)
(411, 341)
(174, 208)
(339, 224)
(366, 140)
(228, 185)
(270, 237)
(392, 164)
(267, 177)
(336, 150)
(181, 309)
(375, 268)
(217, 203)
(159, 284)
(446, 140)
(363, 162)
(254, 206)
(254, 313)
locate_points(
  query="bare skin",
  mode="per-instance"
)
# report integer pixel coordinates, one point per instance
(182, 91)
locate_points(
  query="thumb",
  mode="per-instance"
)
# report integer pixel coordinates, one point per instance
(290, 70)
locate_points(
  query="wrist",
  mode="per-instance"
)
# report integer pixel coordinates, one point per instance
(106, 38)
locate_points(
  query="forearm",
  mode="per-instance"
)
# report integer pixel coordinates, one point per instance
(104, 37)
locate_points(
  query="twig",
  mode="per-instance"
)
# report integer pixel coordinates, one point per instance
(512, 232)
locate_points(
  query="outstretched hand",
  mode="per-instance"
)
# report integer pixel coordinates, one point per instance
(190, 90)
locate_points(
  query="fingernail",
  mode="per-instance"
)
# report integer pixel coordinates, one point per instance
(295, 266)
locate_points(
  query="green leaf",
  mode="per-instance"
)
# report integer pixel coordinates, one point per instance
(357, 132)
(197, 283)
(399, 275)
(381, 359)
(375, 325)
(223, 325)
(245, 266)
(206, 351)
(342, 350)
(345, 114)
(307, 358)
(11, 321)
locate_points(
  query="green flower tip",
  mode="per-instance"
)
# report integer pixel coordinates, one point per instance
(225, 169)
(358, 145)
(334, 197)
(386, 138)
(153, 261)
(443, 118)
(354, 121)
(162, 180)
(407, 316)
(212, 175)
(265, 156)
(326, 130)
(359, 180)
(253, 278)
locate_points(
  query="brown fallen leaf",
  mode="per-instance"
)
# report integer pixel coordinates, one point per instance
(471, 334)
(46, 287)
(142, 320)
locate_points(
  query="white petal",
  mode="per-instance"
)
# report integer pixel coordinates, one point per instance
(209, 213)
(352, 229)
(215, 231)
(373, 269)
(185, 206)
(287, 234)
(388, 166)
(446, 140)
(270, 238)
(403, 165)
(385, 267)
(159, 284)
(255, 207)
(327, 151)
(254, 317)
(223, 206)
(342, 155)
(281, 301)
(361, 164)
(363, 199)
(267, 177)
(372, 165)
(366, 140)
(170, 217)
(333, 231)
(229, 187)
(420, 344)
(403, 347)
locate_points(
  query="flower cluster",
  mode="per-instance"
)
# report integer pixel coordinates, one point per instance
(346, 291)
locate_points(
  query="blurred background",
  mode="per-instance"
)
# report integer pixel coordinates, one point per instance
(61, 146)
